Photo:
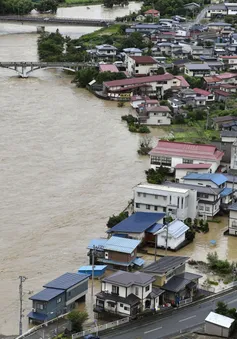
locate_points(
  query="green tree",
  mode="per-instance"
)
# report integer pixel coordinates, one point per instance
(109, 76)
(19, 7)
(135, 39)
(47, 5)
(77, 319)
(116, 219)
(156, 176)
(85, 75)
(160, 70)
(223, 309)
(194, 82)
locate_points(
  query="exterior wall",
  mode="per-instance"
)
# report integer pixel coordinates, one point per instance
(202, 183)
(52, 308)
(161, 280)
(197, 73)
(108, 287)
(158, 119)
(171, 243)
(134, 69)
(76, 292)
(208, 210)
(180, 205)
(233, 160)
(182, 172)
(216, 330)
(121, 257)
(233, 222)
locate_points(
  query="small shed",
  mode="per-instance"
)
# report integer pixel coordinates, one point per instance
(218, 325)
(99, 270)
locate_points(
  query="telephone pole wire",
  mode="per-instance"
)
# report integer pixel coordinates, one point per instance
(22, 279)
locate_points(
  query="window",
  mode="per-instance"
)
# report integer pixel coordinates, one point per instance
(136, 290)
(202, 195)
(139, 194)
(148, 207)
(158, 121)
(154, 113)
(163, 114)
(126, 308)
(147, 288)
(155, 208)
(187, 161)
(144, 195)
(106, 255)
(115, 289)
(59, 300)
(178, 201)
(207, 208)
(201, 208)
(156, 196)
(40, 306)
(121, 305)
(137, 205)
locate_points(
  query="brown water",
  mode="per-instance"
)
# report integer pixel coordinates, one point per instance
(67, 163)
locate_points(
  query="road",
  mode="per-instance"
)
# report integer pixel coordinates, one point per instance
(180, 320)
(198, 18)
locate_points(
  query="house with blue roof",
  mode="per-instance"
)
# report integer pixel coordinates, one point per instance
(213, 180)
(58, 297)
(116, 252)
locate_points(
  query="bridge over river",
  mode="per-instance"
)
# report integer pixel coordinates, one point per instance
(23, 69)
(39, 20)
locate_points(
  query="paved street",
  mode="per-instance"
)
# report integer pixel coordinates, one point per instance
(198, 18)
(180, 320)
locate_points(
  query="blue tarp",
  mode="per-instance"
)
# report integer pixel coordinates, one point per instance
(139, 261)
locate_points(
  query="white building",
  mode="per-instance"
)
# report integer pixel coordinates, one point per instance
(180, 203)
(156, 116)
(183, 169)
(219, 325)
(169, 154)
(172, 235)
(141, 65)
(198, 70)
(127, 294)
(229, 61)
(233, 219)
(218, 9)
(106, 50)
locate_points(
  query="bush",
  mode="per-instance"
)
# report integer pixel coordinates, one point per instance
(130, 119)
(132, 128)
(217, 265)
(143, 129)
(77, 319)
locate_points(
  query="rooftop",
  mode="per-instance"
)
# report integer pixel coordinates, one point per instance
(46, 294)
(165, 264)
(193, 166)
(187, 150)
(233, 207)
(158, 109)
(139, 81)
(228, 57)
(219, 320)
(194, 67)
(106, 47)
(66, 281)
(127, 279)
(108, 68)
(131, 300)
(176, 228)
(183, 81)
(198, 188)
(179, 282)
(137, 222)
(201, 92)
(144, 60)
(155, 188)
(216, 178)
(122, 245)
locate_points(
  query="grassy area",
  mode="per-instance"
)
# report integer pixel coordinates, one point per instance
(98, 37)
(196, 133)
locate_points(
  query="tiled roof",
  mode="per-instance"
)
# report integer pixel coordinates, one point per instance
(137, 81)
(182, 149)
(193, 166)
(201, 92)
(194, 67)
(137, 223)
(46, 294)
(165, 264)
(158, 109)
(152, 11)
(233, 207)
(212, 79)
(216, 178)
(66, 281)
(108, 68)
(222, 93)
(227, 75)
(183, 81)
(144, 59)
(122, 278)
(228, 57)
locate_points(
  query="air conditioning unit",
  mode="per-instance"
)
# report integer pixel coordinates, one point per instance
(33, 310)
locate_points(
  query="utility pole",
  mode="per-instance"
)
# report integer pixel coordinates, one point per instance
(22, 279)
(93, 267)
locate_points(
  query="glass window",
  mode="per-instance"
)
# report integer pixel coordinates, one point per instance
(136, 290)
(121, 305)
(187, 161)
(144, 195)
(137, 205)
(147, 207)
(59, 300)
(126, 308)
(147, 288)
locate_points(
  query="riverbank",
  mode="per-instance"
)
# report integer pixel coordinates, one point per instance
(72, 3)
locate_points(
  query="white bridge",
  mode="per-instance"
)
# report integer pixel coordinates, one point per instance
(24, 69)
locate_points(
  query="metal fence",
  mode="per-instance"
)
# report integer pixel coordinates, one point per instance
(96, 329)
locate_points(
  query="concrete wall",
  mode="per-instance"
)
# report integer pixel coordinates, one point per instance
(216, 330)
(76, 292)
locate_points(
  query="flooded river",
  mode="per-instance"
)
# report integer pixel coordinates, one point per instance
(67, 163)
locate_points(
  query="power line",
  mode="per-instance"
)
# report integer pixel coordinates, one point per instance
(22, 279)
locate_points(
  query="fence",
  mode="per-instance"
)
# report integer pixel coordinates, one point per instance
(97, 329)
(185, 301)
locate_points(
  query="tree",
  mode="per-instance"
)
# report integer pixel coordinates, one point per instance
(156, 176)
(19, 7)
(135, 39)
(116, 219)
(109, 76)
(223, 309)
(47, 5)
(77, 319)
(160, 70)
(145, 145)
(194, 82)
(85, 75)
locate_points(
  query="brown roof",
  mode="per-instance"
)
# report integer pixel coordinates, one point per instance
(212, 79)
(137, 81)
(222, 93)
(144, 59)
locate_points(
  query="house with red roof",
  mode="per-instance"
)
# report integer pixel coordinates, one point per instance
(108, 68)
(141, 65)
(153, 86)
(169, 154)
(203, 97)
(152, 13)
